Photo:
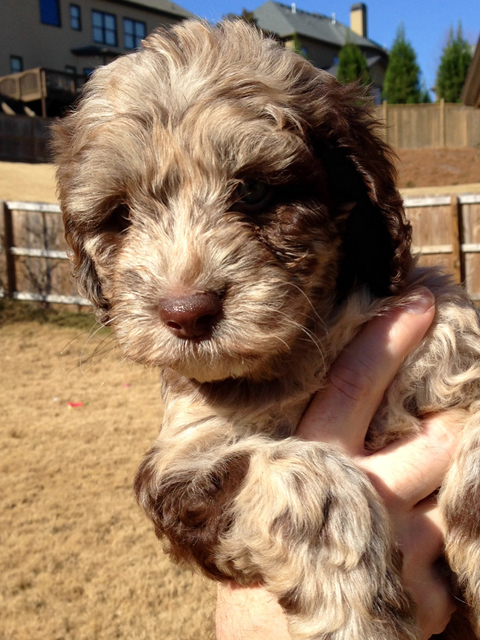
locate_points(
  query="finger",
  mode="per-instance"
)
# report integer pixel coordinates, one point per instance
(422, 545)
(249, 612)
(407, 471)
(359, 377)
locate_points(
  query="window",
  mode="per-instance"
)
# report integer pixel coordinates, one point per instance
(71, 69)
(50, 12)
(133, 33)
(104, 28)
(75, 17)
(16, 64)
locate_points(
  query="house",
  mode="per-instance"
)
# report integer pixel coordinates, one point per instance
(321, 37)
(76, 36)
(63, 41)
(471, 88)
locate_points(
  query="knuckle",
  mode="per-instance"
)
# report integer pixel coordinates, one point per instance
(352, 382)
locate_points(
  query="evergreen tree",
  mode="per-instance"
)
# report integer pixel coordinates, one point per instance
(452, 71)
(246, 16)
(352, 65)
(402, 80)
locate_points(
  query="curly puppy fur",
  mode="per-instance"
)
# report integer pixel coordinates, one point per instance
(233, 214)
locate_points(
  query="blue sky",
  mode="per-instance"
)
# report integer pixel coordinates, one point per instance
(426, 22)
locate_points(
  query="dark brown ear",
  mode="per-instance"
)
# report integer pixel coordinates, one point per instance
(360, 171)
(76, 226)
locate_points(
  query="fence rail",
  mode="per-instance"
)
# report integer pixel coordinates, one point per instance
(34, 265)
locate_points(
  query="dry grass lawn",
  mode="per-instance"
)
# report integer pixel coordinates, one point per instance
(78, 559)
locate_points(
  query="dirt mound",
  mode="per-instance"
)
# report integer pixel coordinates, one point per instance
(437, 167)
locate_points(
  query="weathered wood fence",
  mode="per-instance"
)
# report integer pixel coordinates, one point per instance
(34, 265)
(406, 126)
(436, 125)
(25, 139)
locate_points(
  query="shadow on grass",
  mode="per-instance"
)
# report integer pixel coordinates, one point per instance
(12, 311)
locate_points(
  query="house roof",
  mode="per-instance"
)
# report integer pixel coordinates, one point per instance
(159, 6)
(285, 20)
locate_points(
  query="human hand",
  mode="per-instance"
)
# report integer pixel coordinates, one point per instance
(405, 473)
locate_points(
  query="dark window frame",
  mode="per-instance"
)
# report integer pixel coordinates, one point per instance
(136, 39)
(20, 59)
(74, 18)
(49, 17)
(103, 29)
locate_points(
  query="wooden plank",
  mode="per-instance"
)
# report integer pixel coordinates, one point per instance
(458, 265)
(471, 240)
(42, 207)
(470, 198)
(433, 249)
(442, 122)
(426, 201)
(39, 253)
(8, 244)
(60, 299)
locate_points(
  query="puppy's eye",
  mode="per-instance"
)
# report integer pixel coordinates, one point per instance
(119, 219)
(252, 194)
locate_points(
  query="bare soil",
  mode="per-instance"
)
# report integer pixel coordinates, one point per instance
(437, 167)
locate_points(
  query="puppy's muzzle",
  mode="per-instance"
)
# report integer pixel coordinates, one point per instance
(192, 316)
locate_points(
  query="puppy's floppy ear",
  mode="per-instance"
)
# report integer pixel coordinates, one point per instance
(360, 172)
(75, 229)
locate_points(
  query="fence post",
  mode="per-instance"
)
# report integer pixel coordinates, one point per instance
(9, 257)
(457, 239)
(442, 123)
(385, 119)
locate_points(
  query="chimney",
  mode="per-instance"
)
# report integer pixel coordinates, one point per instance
(358, 19)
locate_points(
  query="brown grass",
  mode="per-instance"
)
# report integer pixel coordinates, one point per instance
(78, 559)
(27, 182)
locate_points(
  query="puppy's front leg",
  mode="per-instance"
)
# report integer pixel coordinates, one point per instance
(295, 516)
(460, 501)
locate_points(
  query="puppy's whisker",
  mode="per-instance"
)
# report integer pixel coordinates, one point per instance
(116, 368)
(310, 335)
(93, 332)
(312, 306)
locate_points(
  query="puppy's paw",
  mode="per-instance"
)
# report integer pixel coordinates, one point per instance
(309, 525)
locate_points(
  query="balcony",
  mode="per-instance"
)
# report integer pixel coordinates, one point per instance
(48, 90)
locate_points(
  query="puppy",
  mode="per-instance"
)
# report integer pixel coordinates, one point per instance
(232, 213)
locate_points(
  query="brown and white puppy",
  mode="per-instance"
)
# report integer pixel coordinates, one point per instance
(233, 214)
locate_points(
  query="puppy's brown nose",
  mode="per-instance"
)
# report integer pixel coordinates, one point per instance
(191, 316)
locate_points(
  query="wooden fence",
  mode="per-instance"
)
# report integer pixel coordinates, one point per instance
(34, 265)
(406, 126)
(418, 126)
(24, 139)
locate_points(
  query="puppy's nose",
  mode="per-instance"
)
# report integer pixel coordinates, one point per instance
(191, 316)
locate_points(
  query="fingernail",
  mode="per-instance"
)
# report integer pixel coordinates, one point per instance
(420, 301)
